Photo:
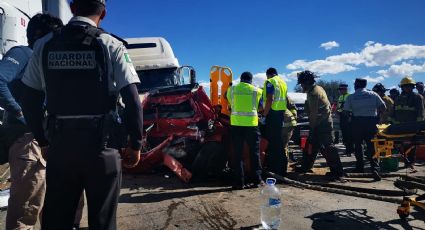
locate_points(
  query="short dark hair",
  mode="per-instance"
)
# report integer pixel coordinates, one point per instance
(246, 77)
(87, 8)
(360, 83)
(306, 77)
(271, 72)
(40, 25)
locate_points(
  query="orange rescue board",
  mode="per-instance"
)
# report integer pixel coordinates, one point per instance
(220, 80)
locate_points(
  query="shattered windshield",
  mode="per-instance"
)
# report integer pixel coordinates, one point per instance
(157, 78)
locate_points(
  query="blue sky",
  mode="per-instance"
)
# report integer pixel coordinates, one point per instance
(380, 40)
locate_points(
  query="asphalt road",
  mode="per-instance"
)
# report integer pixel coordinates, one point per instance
(161, 201)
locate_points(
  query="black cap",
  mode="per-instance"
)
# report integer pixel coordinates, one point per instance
(99, 1)
(379, 88)
(343, 86)
(394, 91)
(419, 83)
(360, 82)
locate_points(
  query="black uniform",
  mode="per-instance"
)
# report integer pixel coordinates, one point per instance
(82, 71)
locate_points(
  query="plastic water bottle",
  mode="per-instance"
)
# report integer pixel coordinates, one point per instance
(270, 205)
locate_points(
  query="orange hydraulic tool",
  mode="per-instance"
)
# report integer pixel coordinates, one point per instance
(220, 80)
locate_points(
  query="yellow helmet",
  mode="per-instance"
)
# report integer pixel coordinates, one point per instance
(407, 81)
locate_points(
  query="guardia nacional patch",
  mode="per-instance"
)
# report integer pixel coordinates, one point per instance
(71, 60)
(127, 58)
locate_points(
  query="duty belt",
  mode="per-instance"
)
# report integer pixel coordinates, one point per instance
(79, 117)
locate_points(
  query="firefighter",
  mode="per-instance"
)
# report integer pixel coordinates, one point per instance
(394, 93)
(408, 107)
(364, 106)
(385, 116)
(27, 165)
(81, 69)
(320, 136)
(289, 124)
(344, 120)
(274, 97)
(244, 99)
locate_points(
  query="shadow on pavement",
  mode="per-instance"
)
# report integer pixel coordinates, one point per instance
(348, 219)
(161, 196)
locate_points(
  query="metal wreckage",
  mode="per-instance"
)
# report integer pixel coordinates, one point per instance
(185, 130)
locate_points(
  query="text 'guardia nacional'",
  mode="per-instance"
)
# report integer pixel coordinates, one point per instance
(71, 60)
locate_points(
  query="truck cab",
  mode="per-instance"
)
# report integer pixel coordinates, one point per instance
(175, 109)
(154, 61)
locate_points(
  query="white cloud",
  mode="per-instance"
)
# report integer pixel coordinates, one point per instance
(329, 45)
(321, 66)
(372, 55)
(381, 55)
(373, 79)
(369, 43)
(403, 69)
(259, 79)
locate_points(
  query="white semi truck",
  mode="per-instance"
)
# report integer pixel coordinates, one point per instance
(154, 61)
(15, 15)
(14, 18)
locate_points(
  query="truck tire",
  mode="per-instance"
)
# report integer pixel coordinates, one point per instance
(210, 161)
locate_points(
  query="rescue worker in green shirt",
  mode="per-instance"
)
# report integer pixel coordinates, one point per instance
(244, 99)
(289, 124)
(344, 120)
(384, 116)
(274, 97)
(320, 135)
(408, 107)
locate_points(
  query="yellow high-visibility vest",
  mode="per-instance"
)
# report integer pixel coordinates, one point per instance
(341, 102)
(280, 91)
(243, 99)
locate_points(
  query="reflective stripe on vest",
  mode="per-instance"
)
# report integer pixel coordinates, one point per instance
(279, 96)
(341, 101)
(244, 99)
(404, 108)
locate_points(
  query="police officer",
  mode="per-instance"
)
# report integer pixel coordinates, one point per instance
(394, 93)
(274, 96)
(289, 124)
(384, 116)
(318, 109)
(27, 166)
(364, 106)
(244, 99)
(344, 120)
(408, 107)
(81, 69)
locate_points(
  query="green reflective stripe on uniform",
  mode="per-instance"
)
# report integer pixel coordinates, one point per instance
(279, 96)
(127, 58)
(244, 99)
